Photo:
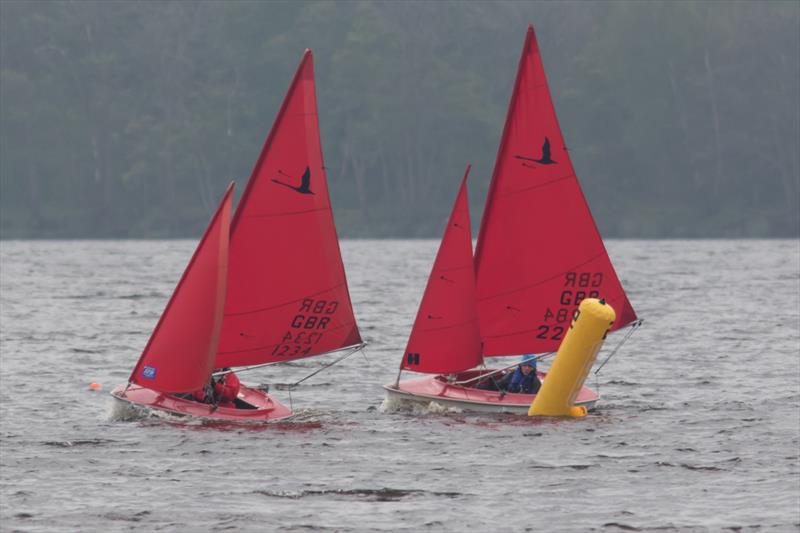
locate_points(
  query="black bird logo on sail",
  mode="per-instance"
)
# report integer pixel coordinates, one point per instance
(544, 160)
(305, 182)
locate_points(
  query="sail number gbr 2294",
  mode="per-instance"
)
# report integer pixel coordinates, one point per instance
(307, 327)
(577, 287)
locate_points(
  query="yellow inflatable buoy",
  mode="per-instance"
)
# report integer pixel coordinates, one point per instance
(574, 359)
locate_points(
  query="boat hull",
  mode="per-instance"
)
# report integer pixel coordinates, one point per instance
(264, 407)
(428, 389)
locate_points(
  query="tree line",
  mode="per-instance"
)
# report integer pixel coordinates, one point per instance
(127, 119)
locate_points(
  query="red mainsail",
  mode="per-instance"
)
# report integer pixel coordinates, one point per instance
(180, 353)
(287, 292)
(539, 252)
(445, 337)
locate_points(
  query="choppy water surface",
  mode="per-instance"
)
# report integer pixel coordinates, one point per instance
(698, 427)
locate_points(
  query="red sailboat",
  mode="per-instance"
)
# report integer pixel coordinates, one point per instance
(539, 254)
(267, 287)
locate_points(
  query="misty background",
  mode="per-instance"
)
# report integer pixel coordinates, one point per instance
(127, 119)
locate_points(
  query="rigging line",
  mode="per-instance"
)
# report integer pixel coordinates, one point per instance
(252, 367)
(497, 385)
(528, 332)
(597, 384)
(268, 346)
(364, 354)
(493, 372)
(345, 356)
(633, 328)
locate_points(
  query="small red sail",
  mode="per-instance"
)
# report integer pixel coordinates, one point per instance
(180, 353)
(539, 252)
(287, 292)
(445, 337)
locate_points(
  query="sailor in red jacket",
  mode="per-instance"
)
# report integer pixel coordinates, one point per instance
(226, 389)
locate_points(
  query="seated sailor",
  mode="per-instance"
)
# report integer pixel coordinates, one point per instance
(221, 391)
(226, 389)
(204, 395)
(524, 379)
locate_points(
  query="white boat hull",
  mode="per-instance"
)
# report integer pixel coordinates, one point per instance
(427, 389)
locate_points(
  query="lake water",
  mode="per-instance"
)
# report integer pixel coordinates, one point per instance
(698, 428)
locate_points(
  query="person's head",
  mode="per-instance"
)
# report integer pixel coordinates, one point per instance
(528, 364)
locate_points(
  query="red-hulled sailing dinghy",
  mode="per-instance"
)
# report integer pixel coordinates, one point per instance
(269, 289)
(539, 254)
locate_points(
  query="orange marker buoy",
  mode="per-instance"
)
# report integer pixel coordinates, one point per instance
(95, 386)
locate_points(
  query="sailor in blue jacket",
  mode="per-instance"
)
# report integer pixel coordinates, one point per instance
(524, 379)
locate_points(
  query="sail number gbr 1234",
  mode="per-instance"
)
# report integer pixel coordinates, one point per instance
(577, 287)
(307, 327)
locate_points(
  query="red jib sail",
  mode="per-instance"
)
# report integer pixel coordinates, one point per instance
(287, 292)
(539, 252)
(180, 353)
(445, 337)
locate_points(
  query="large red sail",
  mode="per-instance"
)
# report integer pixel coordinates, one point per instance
(445, 337)
(539, 252)
(287, 291)
(180, 353)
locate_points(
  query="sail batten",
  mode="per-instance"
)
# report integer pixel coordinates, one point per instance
(537, 186)
(287, 289)
(291, 302)
(272, 346)
(539, 253)
(288, 213)
(551, 278)
(458, 325)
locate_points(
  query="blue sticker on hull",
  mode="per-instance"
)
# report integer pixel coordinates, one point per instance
(149, 372)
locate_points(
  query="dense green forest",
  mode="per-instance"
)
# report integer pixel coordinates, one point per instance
(127, 119)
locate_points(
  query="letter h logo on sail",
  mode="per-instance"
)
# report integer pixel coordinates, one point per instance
(412, 358)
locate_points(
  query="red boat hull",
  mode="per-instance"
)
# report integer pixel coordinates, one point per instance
(468, 398)
(264, 408)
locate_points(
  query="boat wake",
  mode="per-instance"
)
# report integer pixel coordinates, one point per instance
(121, 411)
(416, 407)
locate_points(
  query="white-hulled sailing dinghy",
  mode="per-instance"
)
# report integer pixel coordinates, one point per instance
(538, 255)
(270, 289)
